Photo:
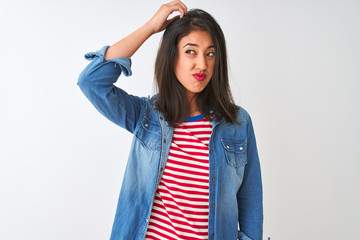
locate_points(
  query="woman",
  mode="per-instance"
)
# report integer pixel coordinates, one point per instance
(193, 170)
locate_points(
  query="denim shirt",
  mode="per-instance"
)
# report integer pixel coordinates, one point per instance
(235, 186)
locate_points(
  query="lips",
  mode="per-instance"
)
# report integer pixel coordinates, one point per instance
(199, 76)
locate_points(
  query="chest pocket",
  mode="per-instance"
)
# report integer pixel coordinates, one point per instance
(235, 152)
(149, 134)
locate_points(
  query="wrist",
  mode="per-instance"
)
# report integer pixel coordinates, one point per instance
(149, 29)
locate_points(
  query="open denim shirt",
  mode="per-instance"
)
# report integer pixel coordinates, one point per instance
(235, 186)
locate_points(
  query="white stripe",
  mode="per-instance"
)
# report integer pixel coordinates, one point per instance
(179, 232)
(195, 224)
(185, 181)
(155, 235)
(185, 188)
(202, 202)
(187, 174)
(187, 168)
(185, 136)
(196, 123)
(190, 148)
(189, 155)
(203, 210)
(187, 195)
(192, 130)
(191, 137)
(182, 160)
(180, 226)
(162, 231)
(172, 211)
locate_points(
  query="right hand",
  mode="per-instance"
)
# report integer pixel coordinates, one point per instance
(159, 21)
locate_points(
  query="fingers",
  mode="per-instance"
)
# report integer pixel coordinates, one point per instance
(160, 20)
(177, 6)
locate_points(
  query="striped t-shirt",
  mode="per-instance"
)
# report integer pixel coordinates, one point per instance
(181, 205)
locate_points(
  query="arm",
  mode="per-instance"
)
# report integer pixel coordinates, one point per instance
(97, 80)
(250, 193)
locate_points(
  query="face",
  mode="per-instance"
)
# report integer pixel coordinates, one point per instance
(195, 63)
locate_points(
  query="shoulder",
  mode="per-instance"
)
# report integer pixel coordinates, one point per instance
(242, 115)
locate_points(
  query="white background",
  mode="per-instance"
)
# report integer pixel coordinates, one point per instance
(294, 68)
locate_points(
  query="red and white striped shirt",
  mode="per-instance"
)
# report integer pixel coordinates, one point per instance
(181, 204)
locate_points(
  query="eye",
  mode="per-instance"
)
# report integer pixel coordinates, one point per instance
(211, 54)
(190, 51)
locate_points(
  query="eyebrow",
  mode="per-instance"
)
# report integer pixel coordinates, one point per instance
(195, 45)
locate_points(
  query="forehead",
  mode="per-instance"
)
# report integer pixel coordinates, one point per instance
(199, 37)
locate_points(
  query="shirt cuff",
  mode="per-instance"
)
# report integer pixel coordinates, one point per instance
(123, 62)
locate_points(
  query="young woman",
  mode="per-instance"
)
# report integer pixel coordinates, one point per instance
(193, 171)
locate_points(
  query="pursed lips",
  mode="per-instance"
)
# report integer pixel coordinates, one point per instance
(199, 76)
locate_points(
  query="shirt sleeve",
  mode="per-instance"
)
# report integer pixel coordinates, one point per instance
(250, 196)
(97, 80)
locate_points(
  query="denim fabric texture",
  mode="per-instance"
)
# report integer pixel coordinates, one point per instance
(235, 185)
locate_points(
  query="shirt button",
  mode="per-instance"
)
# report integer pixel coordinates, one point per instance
(147, 220)
(213, 205)
(164, 141)
(227, 147)
(146, 125)
(161, 118)
(241, 148)
(212, 235)
(161, 169)
(213, 178)
(212, 149)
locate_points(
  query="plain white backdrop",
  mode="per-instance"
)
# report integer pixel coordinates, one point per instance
(294, 66)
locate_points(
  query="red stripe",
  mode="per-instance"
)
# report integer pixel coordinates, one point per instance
(190, 140)
(188, 219)
(183, 164)
(181, 203)
(183, 223)
(205, 226)
(172, 208)
(183, 197)
(197, 126)
(187, 171)
(192, 133)
(191, 146)
(162, 234)
(178, 228)
(170, 188)
(193, 185)
(189, 152)
(151, 237)
(185, 177)
(187, 157)
(185, 140)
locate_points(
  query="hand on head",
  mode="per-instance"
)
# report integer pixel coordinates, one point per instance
(160, 20)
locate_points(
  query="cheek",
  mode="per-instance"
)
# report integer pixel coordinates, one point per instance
(179, 66)
(211, 68)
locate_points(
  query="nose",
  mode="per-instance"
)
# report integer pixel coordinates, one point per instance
(201, 63)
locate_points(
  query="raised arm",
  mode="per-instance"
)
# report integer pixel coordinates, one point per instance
(97, 80)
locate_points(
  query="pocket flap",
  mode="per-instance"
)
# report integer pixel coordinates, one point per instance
(236, 146)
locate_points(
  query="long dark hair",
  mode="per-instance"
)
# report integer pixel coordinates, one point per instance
(171, 98)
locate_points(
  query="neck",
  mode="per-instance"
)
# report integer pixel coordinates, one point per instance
(193, 109)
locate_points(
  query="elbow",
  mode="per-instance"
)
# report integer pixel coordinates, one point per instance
(85, 85)
(83, 82)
